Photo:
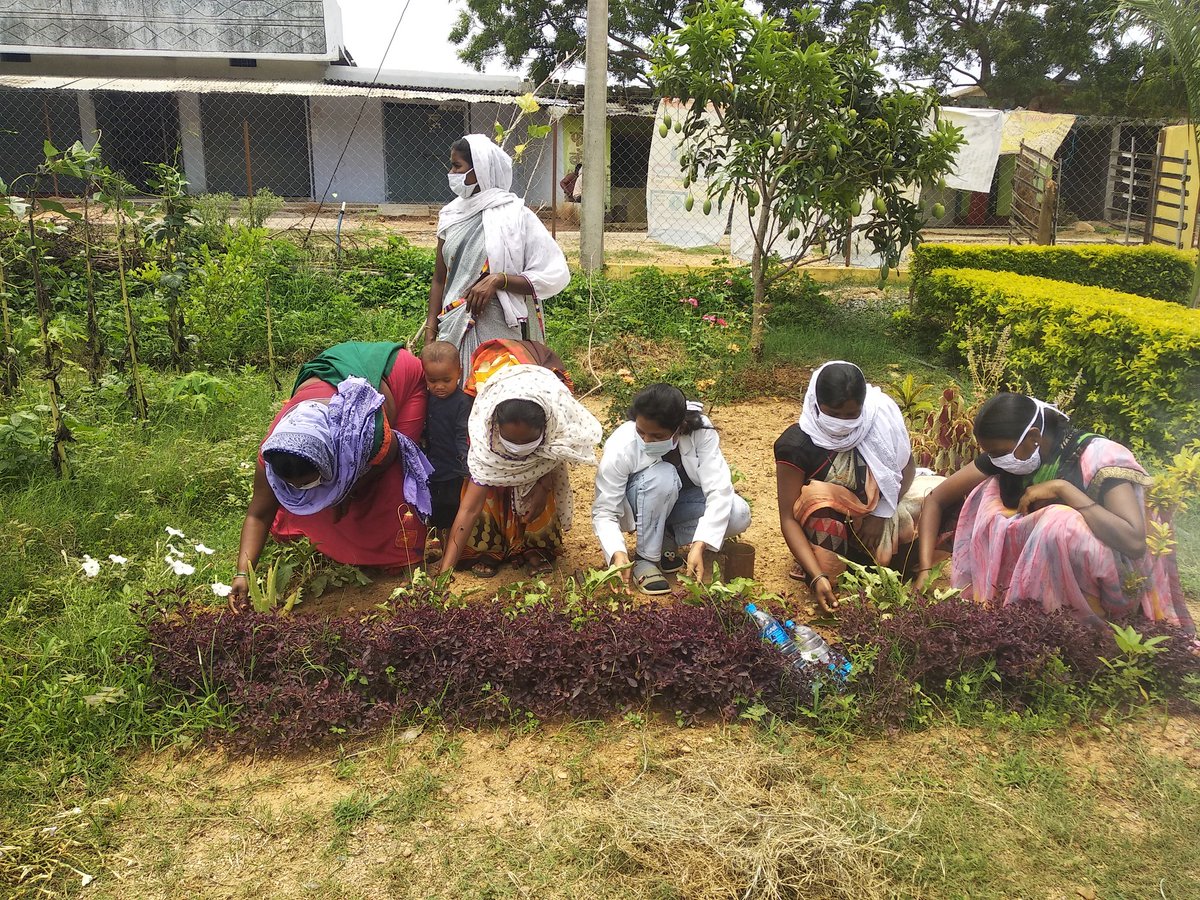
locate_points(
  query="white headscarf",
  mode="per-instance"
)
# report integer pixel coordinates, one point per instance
(881, 437)
(571, 436)
(517, 242)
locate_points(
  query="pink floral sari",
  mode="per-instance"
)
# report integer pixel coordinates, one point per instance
(1051, 557)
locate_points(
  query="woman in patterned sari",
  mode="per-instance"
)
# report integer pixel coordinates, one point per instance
(525, 428)
(1056, 516)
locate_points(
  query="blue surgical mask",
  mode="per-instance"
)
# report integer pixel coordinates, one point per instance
(659, 449)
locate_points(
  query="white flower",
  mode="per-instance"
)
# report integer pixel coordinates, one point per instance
(207, 551)
(221, 590)
(244, 465)
(174, 532)
(91, 567)
(119, 560)
(172, 550)
(180, 567)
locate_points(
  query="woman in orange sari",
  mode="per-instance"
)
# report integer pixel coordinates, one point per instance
(525, 428)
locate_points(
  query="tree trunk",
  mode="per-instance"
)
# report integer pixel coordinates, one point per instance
(51, 364)
(758, 272)
(10, 377)
(95, 343)
(137, 393)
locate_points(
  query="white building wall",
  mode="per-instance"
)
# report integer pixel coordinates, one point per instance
(89, 131)
(360, 177)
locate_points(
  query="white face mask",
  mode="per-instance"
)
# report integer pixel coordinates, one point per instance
(458, 183)
(1014, 466)
(839, 428)
(519, 449)
(308, 487)
(659, 449)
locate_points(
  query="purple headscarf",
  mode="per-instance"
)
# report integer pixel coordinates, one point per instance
(338, 439)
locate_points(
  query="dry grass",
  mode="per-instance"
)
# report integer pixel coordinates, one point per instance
(748, 825)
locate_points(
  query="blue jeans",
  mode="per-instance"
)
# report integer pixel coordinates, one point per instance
(665, 513)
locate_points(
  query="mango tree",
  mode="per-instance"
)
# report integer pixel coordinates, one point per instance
(801, 132)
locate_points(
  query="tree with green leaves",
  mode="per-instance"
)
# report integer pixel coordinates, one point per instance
(1060, 54)
(1174, 25)
(11, 216)
(800, 132)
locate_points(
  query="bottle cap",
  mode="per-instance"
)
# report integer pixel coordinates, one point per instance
(751, 608)
(789, 624)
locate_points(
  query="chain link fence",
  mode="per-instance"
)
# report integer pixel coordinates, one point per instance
(384, 152)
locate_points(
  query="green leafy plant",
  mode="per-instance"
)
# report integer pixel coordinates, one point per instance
(166, 227)
(271, 593)
(801, 131)
(1131, 671)
(254, 211)
(24, 441)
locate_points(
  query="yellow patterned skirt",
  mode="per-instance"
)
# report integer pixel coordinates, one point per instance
(500, 535)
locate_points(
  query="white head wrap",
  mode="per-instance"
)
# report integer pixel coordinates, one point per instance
(517, 242)
(571, 435)
(881, 438)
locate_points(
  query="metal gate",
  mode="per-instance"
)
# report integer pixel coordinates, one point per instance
(1034, 215)
(1152, 196)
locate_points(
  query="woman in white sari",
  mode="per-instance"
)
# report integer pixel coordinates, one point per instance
(496, 262)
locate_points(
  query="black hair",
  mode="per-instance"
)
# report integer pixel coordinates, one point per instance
(524, 411)
(463, 148)
(1005, 416)
(441, 352)
(288, 465)
(839, 383)
(666, 405)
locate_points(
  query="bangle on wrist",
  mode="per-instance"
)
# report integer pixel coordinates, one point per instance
(241, 574)
(812, 582)
(505, 274)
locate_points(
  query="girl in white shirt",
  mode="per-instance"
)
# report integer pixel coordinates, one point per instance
(663, 476)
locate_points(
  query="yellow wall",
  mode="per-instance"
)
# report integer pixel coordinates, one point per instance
(1177, 138)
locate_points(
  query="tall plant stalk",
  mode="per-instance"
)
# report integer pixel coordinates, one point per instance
(95, 342)
(51, 362)
(9, 375)
(137, 392)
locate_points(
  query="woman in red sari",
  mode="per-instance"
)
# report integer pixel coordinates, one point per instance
(370, 521)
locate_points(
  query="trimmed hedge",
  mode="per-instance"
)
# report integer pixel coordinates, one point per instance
(1139, 358)
(1146, 271)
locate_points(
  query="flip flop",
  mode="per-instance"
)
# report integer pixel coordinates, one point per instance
(798, 573)
(649, 578)
(484, 569)
(537, 564)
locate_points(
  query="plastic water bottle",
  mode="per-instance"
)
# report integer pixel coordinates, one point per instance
(769, 628)
(813, 648)
(810, 645)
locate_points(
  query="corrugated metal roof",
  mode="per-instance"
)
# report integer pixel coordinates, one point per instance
(248, 86)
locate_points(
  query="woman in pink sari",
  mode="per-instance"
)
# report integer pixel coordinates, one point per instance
(1055, 516)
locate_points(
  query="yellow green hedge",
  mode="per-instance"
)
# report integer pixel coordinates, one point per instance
(1139, 358)
(1146, 271)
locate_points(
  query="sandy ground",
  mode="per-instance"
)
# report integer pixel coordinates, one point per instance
(748, 432)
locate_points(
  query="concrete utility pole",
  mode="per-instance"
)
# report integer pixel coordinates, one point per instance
(595, 143)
